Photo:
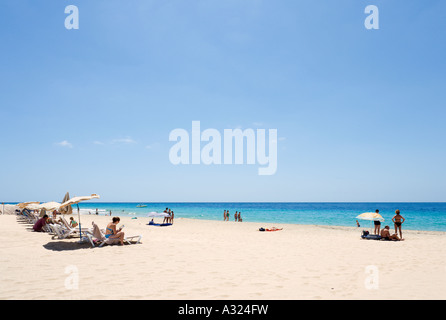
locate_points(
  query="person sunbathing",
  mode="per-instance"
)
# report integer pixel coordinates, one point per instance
(73, 223)
(385, 234)
(112, 233)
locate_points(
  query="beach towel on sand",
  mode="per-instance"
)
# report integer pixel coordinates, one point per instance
(272, 229)
(159, 225)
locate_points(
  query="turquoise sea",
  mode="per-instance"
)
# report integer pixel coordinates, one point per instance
(419, 216)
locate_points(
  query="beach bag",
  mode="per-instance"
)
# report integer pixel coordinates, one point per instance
(261, 229)
(365, 233)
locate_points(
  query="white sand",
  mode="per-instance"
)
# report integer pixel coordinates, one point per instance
(195, 259)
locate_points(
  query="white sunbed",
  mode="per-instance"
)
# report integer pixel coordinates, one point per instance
(61, 231)
(96, 233)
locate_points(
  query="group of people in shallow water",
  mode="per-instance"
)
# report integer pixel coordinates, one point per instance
(237, 216)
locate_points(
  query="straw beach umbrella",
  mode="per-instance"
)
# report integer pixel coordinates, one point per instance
(370, 216)
(76, 200)
(23, 205)
(66, 209)
(48, 206)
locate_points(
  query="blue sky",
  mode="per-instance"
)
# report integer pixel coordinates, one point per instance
(360, 113)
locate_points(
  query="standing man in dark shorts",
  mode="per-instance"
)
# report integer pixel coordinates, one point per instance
(377, 224)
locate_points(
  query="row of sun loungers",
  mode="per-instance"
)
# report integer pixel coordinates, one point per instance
(63, 230)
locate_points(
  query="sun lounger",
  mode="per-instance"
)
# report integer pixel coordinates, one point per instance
(96, 236)
(61, 231)
(27, 217)
(69, 227)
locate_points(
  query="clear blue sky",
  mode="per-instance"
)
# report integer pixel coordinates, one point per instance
(360, 113)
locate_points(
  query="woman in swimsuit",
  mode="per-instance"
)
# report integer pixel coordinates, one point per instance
(112, 233)
(398, 221)
(73, 223)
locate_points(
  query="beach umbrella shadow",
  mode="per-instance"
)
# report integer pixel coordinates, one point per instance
(66, 246)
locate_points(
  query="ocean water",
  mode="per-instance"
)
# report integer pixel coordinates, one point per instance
(419, 216)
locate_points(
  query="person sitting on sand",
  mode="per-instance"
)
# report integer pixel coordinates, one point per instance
(38, 226)
(112, 233)
(385, 234)
(398, 221)
(73, 223)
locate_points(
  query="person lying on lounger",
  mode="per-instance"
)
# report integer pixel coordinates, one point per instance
(385, 234)
(73, 223)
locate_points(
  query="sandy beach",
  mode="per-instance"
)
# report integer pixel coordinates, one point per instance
(199, 259)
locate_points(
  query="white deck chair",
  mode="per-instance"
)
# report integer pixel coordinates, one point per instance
(96, 233)
(70, 228)
(61, 231)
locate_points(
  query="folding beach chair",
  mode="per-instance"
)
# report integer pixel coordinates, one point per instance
(61, 231)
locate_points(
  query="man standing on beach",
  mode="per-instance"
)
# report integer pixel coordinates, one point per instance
(377, 224)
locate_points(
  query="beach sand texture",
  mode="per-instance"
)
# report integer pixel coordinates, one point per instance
(199, 259)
